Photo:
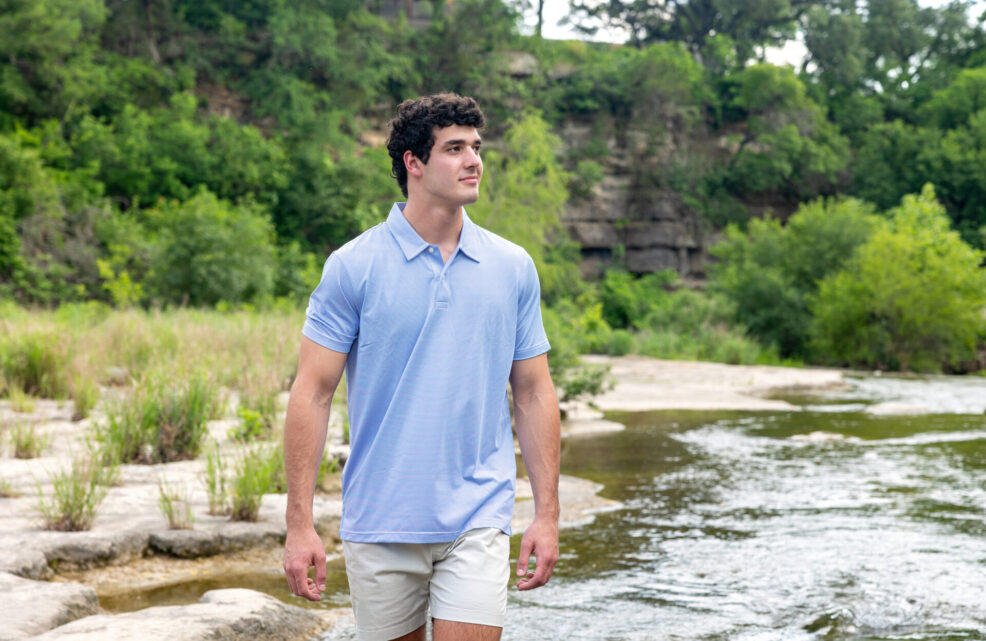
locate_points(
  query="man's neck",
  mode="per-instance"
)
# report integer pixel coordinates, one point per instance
(436, 225)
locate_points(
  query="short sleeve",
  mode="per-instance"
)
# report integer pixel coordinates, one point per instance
(332, 318)
(531, 340)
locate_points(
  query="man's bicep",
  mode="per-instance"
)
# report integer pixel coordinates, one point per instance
(320, 367)
(529, 374)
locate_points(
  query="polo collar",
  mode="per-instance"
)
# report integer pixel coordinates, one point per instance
(412, 244)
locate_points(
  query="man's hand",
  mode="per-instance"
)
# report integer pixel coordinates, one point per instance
(302, 550)
(541, 541)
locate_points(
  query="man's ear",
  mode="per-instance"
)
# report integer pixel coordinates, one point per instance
(412, 164)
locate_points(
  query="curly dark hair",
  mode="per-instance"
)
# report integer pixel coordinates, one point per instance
(413, 128)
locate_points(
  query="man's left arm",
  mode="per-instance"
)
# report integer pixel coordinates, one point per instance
(538, 431)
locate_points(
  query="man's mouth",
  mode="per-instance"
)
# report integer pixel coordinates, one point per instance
(472, 180)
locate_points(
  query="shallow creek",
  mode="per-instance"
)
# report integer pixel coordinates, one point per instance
(820, 524)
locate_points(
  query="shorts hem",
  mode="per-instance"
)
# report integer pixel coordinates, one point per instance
(461, 615)
(393, 631)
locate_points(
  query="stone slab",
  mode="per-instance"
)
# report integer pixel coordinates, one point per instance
(34, 607)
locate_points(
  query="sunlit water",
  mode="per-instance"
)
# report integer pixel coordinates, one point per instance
(807, 525)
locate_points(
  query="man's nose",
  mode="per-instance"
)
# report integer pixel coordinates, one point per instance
(472, 157)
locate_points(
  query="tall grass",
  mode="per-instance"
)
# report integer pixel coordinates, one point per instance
(76, 495)
(215, 482)
(33, 362)
(175, 505)
(160, 422)
(26, 441)
(258, 472)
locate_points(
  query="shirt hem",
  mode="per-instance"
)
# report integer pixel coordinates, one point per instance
(531, 352)
(421, 537)
(337, 346)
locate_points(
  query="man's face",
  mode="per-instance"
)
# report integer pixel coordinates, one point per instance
(451, 176)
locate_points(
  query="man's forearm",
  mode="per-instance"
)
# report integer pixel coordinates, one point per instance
(304, 440)
(538, 432)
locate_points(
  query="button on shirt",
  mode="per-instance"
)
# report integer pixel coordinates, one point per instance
(430, 346)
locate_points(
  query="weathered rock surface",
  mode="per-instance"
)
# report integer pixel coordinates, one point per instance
(579, 500)
(896, 409)
(33, 607)
(220, 615)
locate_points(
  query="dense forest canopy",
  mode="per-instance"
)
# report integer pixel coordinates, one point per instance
(211, 152)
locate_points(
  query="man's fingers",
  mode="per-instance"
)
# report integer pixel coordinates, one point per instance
(320, 574)
(524, 557)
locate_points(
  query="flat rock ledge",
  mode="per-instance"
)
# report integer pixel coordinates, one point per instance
(33, 607)
(578, 498)
(220, 615)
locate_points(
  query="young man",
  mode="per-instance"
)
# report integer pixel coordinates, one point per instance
(430, 316)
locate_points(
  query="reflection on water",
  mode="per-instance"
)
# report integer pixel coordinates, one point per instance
(735, 530)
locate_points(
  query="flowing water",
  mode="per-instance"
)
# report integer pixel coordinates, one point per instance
(820, 524)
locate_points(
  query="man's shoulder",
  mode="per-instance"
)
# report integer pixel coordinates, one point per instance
(363, 247)
(500, 248)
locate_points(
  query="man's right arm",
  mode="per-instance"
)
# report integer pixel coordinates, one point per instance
(319, 372)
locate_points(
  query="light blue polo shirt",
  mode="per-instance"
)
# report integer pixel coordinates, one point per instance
(430, 349)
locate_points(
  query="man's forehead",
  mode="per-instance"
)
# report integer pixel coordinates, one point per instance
(456, 132)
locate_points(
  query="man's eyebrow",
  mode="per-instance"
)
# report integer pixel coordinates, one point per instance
(460, 141)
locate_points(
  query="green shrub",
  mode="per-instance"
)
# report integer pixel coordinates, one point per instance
(769, 272)
(206, 250)
(912, 298)
(621, 343)
(76, 495)
(159, 422)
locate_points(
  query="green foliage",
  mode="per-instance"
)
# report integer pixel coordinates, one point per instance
(207, 250)
(911, 299)
(523, 196)
(567, 329)
(159, 422)
(628, 300)
(171, 152)
(46, 56)
(787, 145)
(76, 495)
(770, 272)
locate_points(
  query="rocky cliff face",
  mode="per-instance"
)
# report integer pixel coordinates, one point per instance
(625, 218)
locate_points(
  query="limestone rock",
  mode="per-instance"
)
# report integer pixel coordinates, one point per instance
(89, 549)
(186, 544)
(34, 607)
(521, 64)
(652, 259)
(220, 615)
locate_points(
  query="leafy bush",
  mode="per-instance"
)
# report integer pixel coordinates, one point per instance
(207, 250)
(912, 298)
(769, 272)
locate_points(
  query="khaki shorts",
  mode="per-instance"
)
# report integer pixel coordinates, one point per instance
(395, 586)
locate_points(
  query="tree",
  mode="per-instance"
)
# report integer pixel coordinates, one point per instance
(912, 298)
(770, 271)
(522, 197)
(747, 25)
(207, 250)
